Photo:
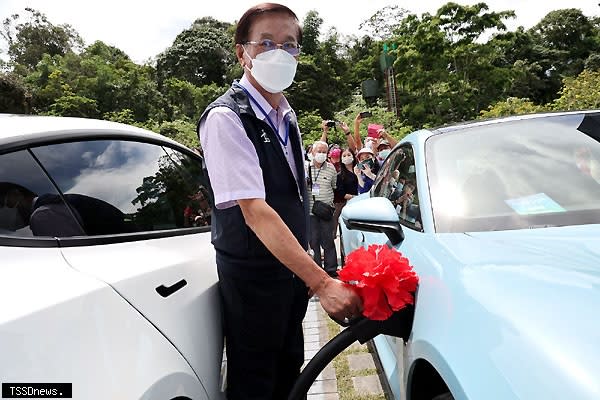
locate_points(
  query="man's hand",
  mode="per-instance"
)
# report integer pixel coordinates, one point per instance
(338, 300)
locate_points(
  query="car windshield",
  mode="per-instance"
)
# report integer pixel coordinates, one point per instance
(528, 173)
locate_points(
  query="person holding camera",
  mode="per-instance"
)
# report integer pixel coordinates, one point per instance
(322, 179)
(365, 169)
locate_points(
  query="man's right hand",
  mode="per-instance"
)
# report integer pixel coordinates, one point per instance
(339, 300)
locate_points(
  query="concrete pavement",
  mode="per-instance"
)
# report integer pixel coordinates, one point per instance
(351, 375)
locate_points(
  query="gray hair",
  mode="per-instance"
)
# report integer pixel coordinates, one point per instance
(320, 142)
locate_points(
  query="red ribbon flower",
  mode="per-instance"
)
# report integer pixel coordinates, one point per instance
(383, 279)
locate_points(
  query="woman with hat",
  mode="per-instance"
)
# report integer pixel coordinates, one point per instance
(366, 169)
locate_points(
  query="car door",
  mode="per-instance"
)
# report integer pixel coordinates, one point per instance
(397, 181)
(59, 325)
(143, 237)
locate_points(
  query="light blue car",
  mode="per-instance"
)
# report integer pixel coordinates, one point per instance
(501, 221)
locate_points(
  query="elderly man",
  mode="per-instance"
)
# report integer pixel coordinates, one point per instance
(321, 184)
(260, 219)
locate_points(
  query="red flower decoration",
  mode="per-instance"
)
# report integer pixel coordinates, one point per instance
(383, 279)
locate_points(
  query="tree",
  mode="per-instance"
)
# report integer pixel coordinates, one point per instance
(100, 73)
(74, 106)
(563, 39)
(201, 55)
(383, 24)
(444, 74)
(29, 41)
(14, 96)
(310, 32)
(511, 106)
(581, 92)
(322, 79)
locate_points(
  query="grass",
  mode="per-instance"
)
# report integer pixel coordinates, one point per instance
(342, 369)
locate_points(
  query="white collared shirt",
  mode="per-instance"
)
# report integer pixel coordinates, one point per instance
(230, 156)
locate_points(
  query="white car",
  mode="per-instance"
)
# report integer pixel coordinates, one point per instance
(107, 274)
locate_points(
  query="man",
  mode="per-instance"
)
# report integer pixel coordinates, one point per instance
(322, 182)
(254, 160)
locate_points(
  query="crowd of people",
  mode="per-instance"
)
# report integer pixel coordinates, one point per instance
(335, 175)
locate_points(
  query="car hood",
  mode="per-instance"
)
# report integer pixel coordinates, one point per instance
(534, 297)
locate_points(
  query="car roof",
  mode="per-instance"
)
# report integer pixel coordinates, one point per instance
(492, 121)
(16, 128)
(421, 135)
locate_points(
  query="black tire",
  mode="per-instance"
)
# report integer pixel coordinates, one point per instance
(444, 396)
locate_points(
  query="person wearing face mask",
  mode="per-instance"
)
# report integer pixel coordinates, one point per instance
(364, 170)
(322, 183)
(346, 186)
(383, 150)
(261, 215)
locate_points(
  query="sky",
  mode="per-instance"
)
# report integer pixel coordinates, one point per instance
(145, 28)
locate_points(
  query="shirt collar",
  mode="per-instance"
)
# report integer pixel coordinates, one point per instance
(284, 106)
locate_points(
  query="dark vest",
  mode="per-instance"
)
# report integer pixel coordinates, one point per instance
(239, 251)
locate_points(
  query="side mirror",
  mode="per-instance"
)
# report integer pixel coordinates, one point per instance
(375, 214)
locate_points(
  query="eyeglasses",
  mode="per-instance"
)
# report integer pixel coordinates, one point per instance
(292, 48)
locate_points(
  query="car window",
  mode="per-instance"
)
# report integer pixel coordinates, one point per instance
(516, 174)
(397, 182)
(119, 186)
(29, 204)
(198, 211)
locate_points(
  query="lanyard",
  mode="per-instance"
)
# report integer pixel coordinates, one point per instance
(283, 141)
(319, 171)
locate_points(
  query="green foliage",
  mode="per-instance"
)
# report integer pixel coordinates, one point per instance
(181, 131)
(123, 116)
(444, 69)
(582, 92)
(384, 22)
(74, 106)
(310, 32)
(321, 82)
(511, 106)
(310, 126)
(14, 95)
(200, 55)
(28, 41)
(102, 73)
(188, 100)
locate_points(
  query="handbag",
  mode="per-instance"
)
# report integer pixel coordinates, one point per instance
(320, 209)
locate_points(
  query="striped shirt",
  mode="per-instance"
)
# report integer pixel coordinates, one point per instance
(326, 179)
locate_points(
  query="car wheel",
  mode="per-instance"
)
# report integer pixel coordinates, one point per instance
(444, 396)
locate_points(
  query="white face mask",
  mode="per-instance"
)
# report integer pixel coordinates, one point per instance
(310, 156)
(274, 70)
(347, 160)
(320, 158)
(384, 153)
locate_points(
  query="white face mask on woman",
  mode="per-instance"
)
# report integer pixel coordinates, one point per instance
(273, 70)
(347, 160)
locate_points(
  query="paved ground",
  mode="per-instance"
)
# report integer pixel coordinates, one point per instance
(351, 375)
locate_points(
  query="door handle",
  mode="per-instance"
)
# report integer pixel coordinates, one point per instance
(166, 291)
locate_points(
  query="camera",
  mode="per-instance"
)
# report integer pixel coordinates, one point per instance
(331, 124)
(366, 114)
